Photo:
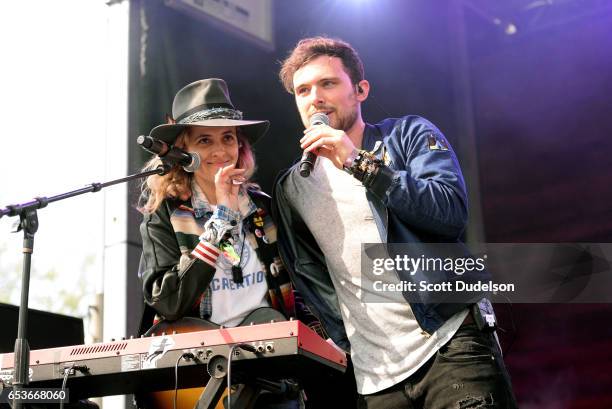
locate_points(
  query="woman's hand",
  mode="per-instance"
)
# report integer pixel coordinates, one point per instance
(227, 184)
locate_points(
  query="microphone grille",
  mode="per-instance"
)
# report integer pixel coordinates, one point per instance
(195, 163)
(319, 118)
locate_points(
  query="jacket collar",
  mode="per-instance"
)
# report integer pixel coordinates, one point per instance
(372, 138)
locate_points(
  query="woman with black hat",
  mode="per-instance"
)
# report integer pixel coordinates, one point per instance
(209, 244)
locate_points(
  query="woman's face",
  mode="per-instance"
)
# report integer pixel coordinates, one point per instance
(217, 147)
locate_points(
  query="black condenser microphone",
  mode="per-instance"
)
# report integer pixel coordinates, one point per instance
(190, 161)
(309, 158)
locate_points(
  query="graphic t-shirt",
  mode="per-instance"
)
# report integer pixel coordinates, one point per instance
(232, 302)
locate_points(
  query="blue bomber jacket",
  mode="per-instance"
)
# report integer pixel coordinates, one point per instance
(418, 196)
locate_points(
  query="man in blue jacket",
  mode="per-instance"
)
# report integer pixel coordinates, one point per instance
(397, 181)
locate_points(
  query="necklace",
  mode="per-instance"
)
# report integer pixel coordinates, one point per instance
(237, 275)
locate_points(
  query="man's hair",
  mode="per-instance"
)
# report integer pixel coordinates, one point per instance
(308, 49)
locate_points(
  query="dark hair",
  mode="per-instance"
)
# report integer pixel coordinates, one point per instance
(308, 49)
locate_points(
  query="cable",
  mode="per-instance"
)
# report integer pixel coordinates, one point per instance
(512, 334)
(246, 347)
(186, 356)
(378, 105)
(67, 372)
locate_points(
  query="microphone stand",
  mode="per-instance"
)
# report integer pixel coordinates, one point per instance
(28, 222)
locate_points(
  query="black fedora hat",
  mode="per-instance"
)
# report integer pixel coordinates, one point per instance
(206, 103)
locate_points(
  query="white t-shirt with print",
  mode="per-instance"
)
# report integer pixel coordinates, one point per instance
(232, 302)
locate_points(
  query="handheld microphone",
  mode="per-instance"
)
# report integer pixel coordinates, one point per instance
(190, 161)
(309, 158)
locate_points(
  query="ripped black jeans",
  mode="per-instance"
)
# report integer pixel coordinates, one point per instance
(466, 373)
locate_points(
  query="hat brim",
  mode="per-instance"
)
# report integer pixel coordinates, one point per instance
(252, 129)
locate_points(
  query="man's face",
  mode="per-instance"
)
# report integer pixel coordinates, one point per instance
(322, 85)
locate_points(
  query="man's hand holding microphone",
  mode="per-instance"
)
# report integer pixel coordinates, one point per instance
(323, 140)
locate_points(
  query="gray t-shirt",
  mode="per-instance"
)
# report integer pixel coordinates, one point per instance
(387, 344)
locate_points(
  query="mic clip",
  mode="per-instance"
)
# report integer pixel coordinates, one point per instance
(165, 166)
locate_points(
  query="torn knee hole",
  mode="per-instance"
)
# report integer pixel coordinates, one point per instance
(475, 402)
